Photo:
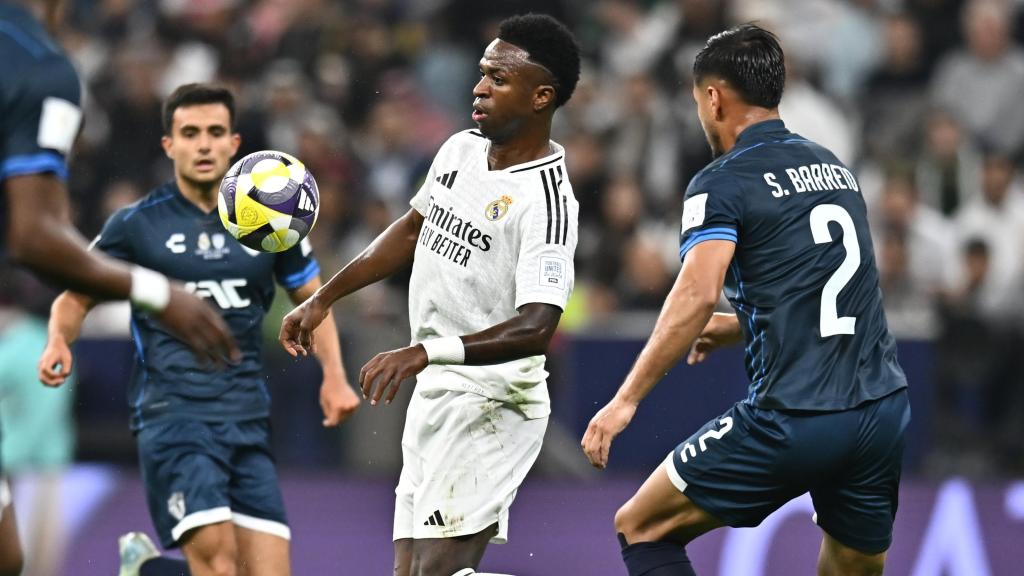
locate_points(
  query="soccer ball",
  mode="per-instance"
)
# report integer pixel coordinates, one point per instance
(268, 201)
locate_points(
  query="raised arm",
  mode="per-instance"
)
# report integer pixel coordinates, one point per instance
(390, 252)
(337, 399)
(67, 313)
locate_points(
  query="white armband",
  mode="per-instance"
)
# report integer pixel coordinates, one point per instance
(151, 290)
(447, 350)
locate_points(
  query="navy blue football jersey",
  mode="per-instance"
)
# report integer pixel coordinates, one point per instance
(169, 234)
(39, 101)
(803, 280)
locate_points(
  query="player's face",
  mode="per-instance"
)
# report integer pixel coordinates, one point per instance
(706, 110)
(510, 91)
(201, 143)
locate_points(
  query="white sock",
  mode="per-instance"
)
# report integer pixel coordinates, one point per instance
(471, 572)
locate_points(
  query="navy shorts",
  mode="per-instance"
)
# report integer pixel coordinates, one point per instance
(745, 464)
(200, 473)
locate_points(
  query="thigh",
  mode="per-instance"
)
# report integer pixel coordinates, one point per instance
(445, 556)
(837, 559)
(739, 467)
(403, 557)
(475, 452)
(857, 507)
(186, 474)
(660, 511)
(261, 554)
(255, 492)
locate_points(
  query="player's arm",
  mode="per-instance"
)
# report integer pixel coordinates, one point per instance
(67, 313)
(526, 334)
(684, 315)
(722, 330)
(40, 236)
(390, 252)
(337, 398)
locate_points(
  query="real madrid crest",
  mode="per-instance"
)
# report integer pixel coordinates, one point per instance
(495, 210)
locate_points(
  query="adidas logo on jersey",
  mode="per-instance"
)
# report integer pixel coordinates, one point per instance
(447, 180)
(434, 519)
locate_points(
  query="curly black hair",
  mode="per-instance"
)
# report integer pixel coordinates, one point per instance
(550, 44)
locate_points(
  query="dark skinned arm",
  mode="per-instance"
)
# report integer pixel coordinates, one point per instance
(390, 252)
(527, 334)
(40, 237)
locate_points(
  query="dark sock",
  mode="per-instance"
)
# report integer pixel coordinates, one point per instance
(655, 559)
(161, 566)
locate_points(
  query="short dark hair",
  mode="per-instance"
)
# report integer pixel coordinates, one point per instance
(195, 94)
(549, 44)
(750, 59)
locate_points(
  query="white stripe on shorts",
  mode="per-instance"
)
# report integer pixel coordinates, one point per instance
(262, 525)
(200, 518)
(673, 474)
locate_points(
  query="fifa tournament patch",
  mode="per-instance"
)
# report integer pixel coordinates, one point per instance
(552, 272)
(58, 124)
(693, 211)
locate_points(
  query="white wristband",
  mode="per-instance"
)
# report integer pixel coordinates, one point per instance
(151, 290)
(447, 350)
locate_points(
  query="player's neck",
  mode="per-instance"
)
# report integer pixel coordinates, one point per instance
(749, 117)
(527, 146)
(204, 197)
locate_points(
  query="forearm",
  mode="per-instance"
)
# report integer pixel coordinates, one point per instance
(390, 252)
(50, 245)
(685, 313)
(731, 331)
(328, 349)
(67, 313)
(516, 338)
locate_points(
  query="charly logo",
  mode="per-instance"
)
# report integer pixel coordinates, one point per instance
(495, 210)
(176, 505)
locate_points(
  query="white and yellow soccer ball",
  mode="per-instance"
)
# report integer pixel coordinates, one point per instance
(268, 201)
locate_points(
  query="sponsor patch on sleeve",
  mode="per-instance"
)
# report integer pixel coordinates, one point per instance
(552, 272)
(58, 124)
(693, 211)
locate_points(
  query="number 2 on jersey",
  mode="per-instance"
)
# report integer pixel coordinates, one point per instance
(831, 323)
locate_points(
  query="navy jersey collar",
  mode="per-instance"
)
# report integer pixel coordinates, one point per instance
(760, 131)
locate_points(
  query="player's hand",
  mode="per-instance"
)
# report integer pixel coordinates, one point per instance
(56, 362)
(388, 370)
(603, 428)
(721, 330)
(200, 327)
(297, 327)
(338, 401)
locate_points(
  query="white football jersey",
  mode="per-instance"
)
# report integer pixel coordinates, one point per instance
(492, 241)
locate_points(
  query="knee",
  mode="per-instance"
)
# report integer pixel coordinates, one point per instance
(630, 525)
(426, 564)
(216, 561)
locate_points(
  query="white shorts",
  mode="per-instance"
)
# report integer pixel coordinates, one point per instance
(463, 458)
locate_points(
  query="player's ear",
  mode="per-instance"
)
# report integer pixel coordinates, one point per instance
(236, 141)
(543, 96)
(165, 143)
(714, 102)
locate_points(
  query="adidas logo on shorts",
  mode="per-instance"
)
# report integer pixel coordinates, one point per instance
(435, 519)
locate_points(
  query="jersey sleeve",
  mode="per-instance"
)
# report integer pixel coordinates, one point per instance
(545, 272)
(114, 239)
(41, 117)
(712, 210)
(295, 267)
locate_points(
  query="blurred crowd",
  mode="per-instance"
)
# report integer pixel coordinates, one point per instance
(918, 97)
